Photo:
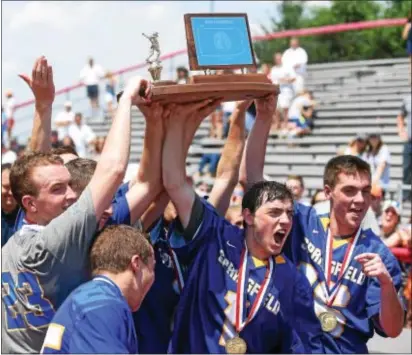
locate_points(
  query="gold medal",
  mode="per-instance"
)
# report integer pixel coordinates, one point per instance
(236, 345)
(328, 321)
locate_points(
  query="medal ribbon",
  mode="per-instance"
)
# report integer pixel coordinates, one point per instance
(345, 264)
(177, 269)
(240, 291)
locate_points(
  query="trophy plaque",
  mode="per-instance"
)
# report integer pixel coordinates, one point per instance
(215, 42)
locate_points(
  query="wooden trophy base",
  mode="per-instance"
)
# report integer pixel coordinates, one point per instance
(228, 87)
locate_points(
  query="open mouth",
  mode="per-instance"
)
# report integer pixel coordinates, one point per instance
(280, 235)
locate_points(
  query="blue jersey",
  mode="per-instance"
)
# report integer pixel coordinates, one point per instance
(205, 316)
(94, 319)
(154, 318)
(357, 302)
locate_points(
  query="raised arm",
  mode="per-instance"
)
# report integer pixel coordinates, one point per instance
(227, 174)
(149, 177)
(253, 160)
(158, 206)
(42, 85)
(112, 165)
(173, 160)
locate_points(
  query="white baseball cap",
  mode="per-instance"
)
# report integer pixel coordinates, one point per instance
(392, 204)
(68, 104)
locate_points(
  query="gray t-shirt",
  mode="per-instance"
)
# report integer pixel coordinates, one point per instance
(406, 113)
(41, 265)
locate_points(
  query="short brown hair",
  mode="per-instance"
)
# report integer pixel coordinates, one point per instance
(115, 246)
(65, 149)
(347, 164)
(81, 171)
(21, 171)
(297, 178)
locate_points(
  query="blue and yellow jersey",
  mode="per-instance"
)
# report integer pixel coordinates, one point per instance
(357, 302)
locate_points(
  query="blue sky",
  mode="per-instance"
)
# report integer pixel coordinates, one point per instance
(68, 32)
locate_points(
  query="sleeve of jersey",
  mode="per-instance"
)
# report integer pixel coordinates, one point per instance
(68, 236)
(305, 322)
(292, 247)
(121, 212)
(373, 293)
(103, 331)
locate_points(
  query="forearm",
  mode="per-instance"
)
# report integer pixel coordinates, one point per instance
(227, 175)
(391, 314)
(40, 135)
(253, 160)
(151, 162)
(155, 210)
(112, 164)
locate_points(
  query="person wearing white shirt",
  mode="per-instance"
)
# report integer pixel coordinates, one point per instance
(82, 136)
(64, 120)
(296, 58)
(7, 155)
(90, 76)
(283, 76)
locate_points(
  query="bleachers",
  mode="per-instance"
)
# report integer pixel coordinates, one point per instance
(353, 97)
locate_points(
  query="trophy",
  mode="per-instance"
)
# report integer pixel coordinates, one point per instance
(215, 42)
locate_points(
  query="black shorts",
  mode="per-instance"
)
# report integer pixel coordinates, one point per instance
(93, 91)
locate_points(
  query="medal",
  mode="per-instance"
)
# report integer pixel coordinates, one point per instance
(236, 345)
(330, 297)
(328, 321)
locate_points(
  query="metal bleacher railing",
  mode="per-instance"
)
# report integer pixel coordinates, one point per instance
(24, 110)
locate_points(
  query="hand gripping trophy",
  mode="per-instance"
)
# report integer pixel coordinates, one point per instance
(155, 68)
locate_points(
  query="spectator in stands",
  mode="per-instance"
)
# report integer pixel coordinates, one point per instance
(378, 156)
(284, 76)
(54, 140)
(7, 155)
(9, 104)
(82, 135)
(203, 189)
(209, 158)
(301, 126)
(68, 142)
(392, 235)
(318, 196)
(9, 206)
(297, 187)
(405, 133)
(182, 75)
(266, 69)
(90, 76)
(98, 148)
(407, 36)
(357, 146)
(64, 120)
(296, 58)
(110, 94)
(376, 200)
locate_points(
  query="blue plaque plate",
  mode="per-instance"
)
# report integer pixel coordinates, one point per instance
(221, 41)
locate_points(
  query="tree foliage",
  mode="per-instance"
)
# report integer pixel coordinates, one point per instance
(385, 42)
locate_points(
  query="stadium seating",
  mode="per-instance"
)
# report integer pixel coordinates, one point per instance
(353, 97)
